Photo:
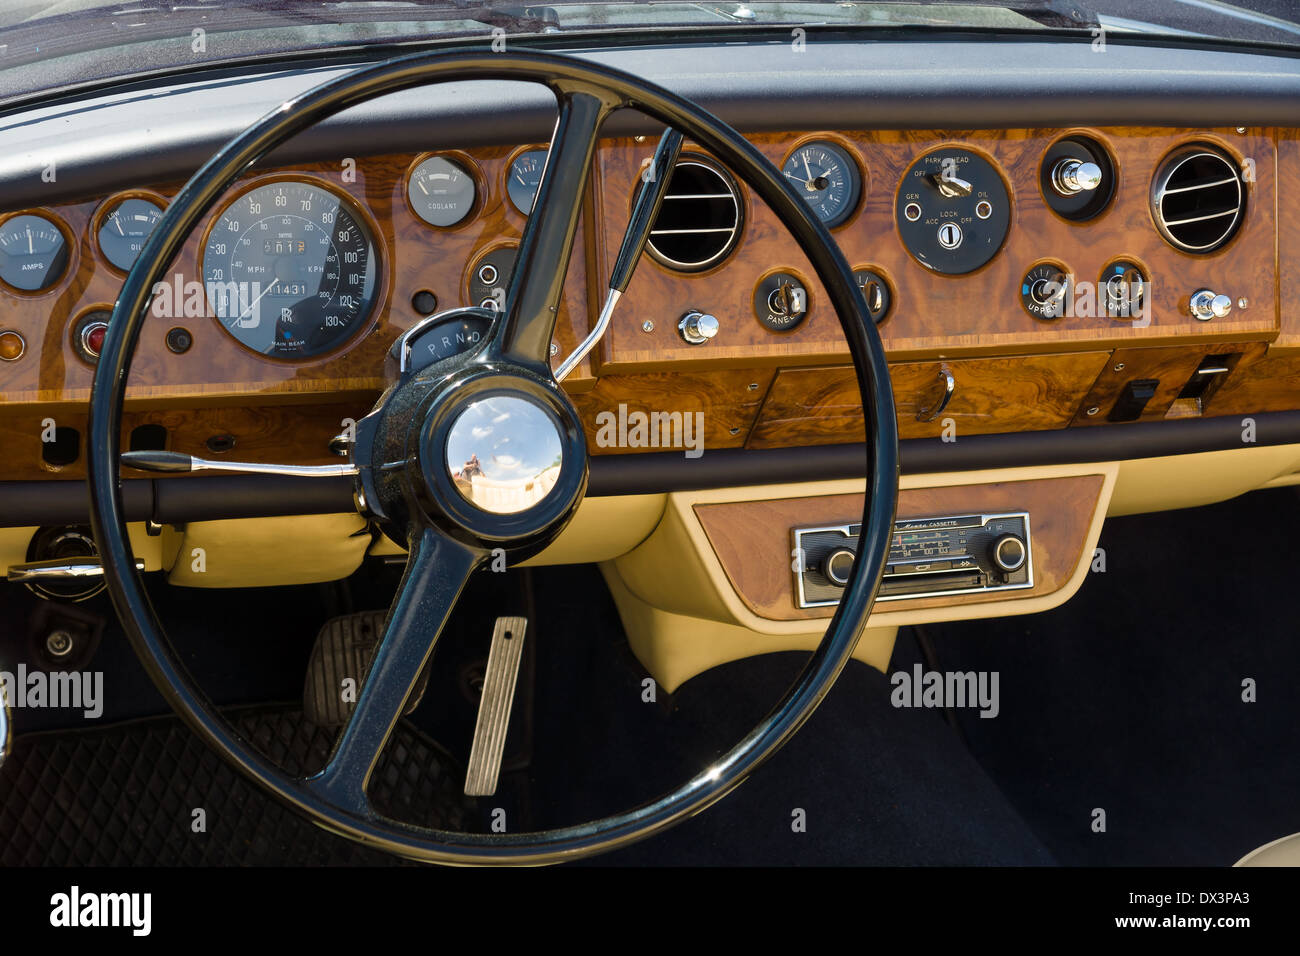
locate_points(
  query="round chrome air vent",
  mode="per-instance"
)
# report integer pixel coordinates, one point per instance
(700, 219)
(1198, 198)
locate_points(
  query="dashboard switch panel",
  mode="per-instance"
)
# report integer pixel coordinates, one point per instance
(953, 211)
(928, 557)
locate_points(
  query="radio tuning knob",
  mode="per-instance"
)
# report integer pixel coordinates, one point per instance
(1073, 176)
(838, 565)
(1008, 553)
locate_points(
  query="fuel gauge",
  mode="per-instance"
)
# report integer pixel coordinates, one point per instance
(33, 252)
(525, 176)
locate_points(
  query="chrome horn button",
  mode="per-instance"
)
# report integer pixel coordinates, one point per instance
(504, 454)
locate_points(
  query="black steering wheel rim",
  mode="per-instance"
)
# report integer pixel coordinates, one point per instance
(145, 632)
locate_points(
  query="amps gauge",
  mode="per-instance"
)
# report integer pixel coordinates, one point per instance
(928, 557)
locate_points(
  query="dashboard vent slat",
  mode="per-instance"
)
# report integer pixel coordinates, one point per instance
(700, 219)
(1197, 199)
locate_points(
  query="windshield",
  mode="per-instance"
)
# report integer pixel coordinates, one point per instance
(45, 46)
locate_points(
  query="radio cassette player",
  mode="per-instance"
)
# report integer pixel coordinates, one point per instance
(928, 557)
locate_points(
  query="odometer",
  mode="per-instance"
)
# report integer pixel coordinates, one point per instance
(290, 269)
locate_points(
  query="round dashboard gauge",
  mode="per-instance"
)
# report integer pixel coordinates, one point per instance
(291, 269)
(123, 232)
(827, 178)
(524, 178)
(33, 252)
(440, 191)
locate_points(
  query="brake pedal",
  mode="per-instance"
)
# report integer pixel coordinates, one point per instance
(494, 706)
(343, 651)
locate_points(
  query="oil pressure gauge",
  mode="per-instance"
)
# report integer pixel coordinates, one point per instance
(126, 228)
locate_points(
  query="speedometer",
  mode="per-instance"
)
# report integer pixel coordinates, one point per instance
(290, 269)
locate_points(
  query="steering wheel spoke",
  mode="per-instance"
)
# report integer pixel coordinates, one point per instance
(533, 296)
(436, 571)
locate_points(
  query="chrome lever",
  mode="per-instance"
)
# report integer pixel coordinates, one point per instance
(645, 208)
(175, 462)
(61, 569)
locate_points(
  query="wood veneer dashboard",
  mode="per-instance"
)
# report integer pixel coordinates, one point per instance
(756, 387)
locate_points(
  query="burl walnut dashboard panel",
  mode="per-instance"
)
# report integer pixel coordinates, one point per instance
(754, 387)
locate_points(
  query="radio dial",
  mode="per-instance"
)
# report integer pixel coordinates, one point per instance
(838, 565)
(1008, 553)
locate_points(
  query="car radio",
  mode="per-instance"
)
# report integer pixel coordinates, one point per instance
(961, 554)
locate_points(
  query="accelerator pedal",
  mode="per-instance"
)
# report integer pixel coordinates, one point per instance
(494, 706)
(338, 667)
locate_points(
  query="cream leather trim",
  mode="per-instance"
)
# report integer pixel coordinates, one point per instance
(264, 552)
(14, 543)
(1186, 481)
(677, 570)
(602, 528)
(676, 647)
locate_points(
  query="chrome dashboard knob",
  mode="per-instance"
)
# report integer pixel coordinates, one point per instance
(1207, 304)
(1008, 553)
(1073, 176)
(838, 566)
(697, 327)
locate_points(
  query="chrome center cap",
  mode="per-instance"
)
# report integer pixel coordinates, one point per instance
(504, 454)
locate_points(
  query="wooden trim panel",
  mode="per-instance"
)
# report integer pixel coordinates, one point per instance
(824, 406)
(415, 256)
(943, 316)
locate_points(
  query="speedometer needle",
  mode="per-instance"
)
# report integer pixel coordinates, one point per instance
(257, 300)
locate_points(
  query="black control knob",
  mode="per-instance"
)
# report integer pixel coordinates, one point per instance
(838, 565)
(1008, 553)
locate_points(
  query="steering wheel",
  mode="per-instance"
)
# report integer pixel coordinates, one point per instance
(404, 462)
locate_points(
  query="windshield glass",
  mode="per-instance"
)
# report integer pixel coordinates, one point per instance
(50, 45)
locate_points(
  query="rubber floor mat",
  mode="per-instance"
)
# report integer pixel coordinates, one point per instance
(131, 794)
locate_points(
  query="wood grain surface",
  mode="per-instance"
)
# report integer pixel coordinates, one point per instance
(753, 539)
(810, 406)
(937, 315)
(414, 256)
(754, 387)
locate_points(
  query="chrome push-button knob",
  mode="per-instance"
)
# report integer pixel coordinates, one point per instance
(1206, 305)
(1073, 176)
(697, 327)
